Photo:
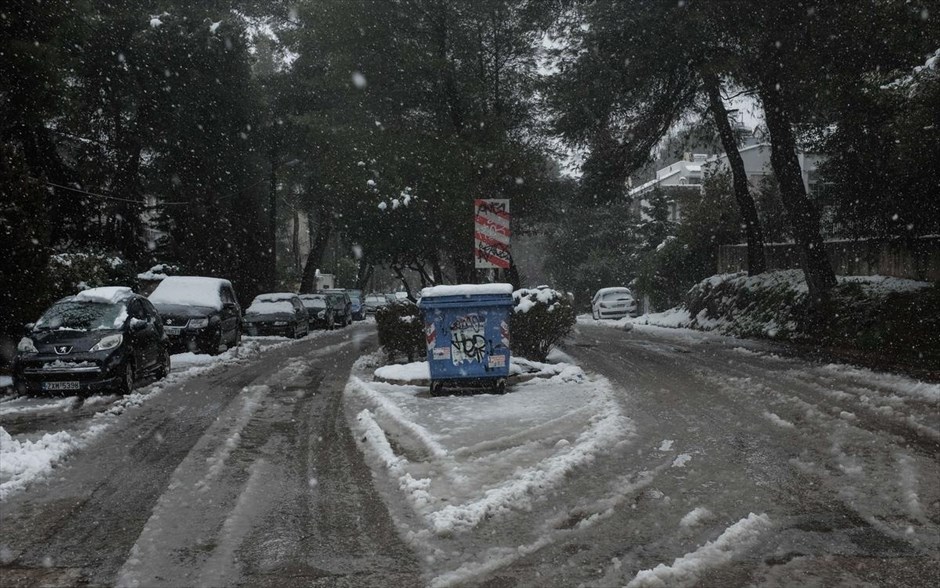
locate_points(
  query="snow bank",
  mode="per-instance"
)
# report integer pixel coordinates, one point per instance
(687, 570)
(884, 315)
(461, 460)
(695, 517)
(24, 460)
(421, 370)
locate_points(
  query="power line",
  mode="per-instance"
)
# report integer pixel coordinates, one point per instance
(105, 196)
(119, 199)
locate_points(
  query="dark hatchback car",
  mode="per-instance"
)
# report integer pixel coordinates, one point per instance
(199, 314)
(99, 339)
(321, 310)
(279, 313)
(358, 309)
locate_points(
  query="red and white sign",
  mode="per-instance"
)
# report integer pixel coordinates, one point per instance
(491, 233)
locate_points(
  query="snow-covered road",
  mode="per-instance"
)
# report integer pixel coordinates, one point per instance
(655, 457)
(676, 458)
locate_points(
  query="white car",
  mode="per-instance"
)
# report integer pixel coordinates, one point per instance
(613, 303)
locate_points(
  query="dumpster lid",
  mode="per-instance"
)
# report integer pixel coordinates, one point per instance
(466, 290)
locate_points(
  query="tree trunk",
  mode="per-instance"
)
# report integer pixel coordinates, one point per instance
(404, 282)
(319, 238)
(364, 274)
(436, 270)
(271, 211)
(756, 263)
(295, 240)
(804, 219)
(512, 274)
(462, 268)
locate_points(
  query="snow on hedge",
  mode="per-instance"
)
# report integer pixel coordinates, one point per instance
(772, 304)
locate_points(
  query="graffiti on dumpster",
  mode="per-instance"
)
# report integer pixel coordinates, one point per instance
(468, 342)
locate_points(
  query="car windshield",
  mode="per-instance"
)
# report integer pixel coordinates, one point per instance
(617, 295)
(314, 302)
(266, 306)
(83, 316)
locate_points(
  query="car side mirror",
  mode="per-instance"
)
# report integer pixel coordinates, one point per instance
(28, 327)
(138, 325)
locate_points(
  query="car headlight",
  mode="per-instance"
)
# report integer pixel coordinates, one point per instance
(280, 323)
(321, 314)
(199, 323)
(26, 345)
(109, 342)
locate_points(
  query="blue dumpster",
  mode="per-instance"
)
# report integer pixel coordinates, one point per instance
(467, 331)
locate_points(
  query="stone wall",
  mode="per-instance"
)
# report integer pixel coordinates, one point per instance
(919, 260)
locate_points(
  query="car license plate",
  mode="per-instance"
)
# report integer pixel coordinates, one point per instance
(60, 385)
(173, 330)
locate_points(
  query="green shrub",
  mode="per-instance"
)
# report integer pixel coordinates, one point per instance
(541, 317)
(72, 272)
(401, 330)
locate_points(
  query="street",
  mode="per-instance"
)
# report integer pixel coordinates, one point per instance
(675, 458)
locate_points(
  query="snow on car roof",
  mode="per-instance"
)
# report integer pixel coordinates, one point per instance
(105, 295)
(603, 291)
(275, 297)
(270, 307)
(190, 291)
(466, 290)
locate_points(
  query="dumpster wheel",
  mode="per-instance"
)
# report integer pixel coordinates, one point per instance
(437, 388)
(501, 386)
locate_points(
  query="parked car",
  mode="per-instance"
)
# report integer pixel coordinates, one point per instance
(99, 339)
(199, 314)
(613, 303)
(373, 302)
(343, 305)
(357, 310)
(321, 310)
(280, 313)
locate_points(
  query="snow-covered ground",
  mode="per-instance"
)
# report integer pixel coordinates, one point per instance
(28, 456)
(461, 462)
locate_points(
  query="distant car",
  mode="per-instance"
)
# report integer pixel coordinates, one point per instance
(99, 339)
(321, 310)
(613, 303)
(343, 304)
(280, 313)
(199, 314)
(373, 302)
(357, 310)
